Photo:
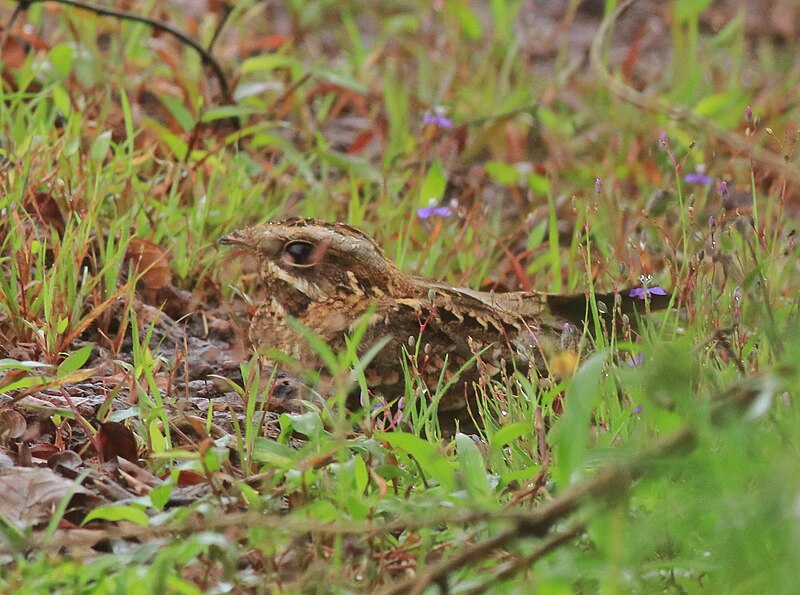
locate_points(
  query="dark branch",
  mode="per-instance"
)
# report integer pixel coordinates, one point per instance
(205, 55)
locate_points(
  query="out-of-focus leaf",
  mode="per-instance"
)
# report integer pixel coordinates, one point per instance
(432, 462)
(130, 513)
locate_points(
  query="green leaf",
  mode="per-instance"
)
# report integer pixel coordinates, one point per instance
(433, 463)
(361, 474)
(62, 325)
(473, 469)
(60, 58)
(341, 79)
(274, 453)
(14, 364)
(157, 442)
(570, 432)
(228, 111)
(130, 513)
(265, 62)
(725, 109)
(159, 495)
(433, 187)
(75, 360)
(26, 382)
(502, 173)
(538, 184)
(308, 424)
(470, 23)
(100, 147)
(182, 115)
(689, 10)
(213, 459)
(508, 434)
(61, 100)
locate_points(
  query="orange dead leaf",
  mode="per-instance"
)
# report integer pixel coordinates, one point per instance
(151, 263)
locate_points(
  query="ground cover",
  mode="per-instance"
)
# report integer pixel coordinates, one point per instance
(553, 146)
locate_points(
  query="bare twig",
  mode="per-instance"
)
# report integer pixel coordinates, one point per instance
(556, 540)
(608, 484)
(205, 55)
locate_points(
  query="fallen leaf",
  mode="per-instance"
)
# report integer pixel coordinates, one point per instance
(116, 440)
(151, 263)
(12, 425)
(31, 494)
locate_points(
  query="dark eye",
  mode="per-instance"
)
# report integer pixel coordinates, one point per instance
(299, 253)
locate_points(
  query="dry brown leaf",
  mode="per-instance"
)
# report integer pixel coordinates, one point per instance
(12, 425)
(31, 494)
(116, 440)
(151, 262)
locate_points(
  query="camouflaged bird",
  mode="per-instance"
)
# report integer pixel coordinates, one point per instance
(328, 276)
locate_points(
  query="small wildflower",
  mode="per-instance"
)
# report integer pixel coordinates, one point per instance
(697, 177)
(598, 185)
(431, 211)
(636, 360)
(437, 120)
(637, 410)
(642, 293)
(748, 114)
(723, 188)
(380, 405)
(664, 140)
(712, 222)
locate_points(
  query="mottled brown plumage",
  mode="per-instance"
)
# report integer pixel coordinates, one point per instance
(329, 275)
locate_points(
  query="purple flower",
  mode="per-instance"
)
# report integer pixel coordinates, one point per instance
(642, 293)
(748, 114)
(637, 410)
(664, 140)
(428, 212)
(636, 360)
(598, 185)
(437, 120)
(697, 178)
(723, 188)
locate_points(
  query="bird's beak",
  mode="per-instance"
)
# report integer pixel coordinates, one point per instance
(235, 238)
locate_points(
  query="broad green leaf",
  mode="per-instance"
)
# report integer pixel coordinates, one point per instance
(60, 58)
(361, 474)
(100, 147)
(159, 495)
(433, 463)
(502, 173)
(473, 469)
(157, 442)
(75, 360)
(433, 187)
(308, 424)
(132, 514)
(570, 432)
(538, 184)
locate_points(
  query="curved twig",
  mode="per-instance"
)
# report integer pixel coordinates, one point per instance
(205, 55)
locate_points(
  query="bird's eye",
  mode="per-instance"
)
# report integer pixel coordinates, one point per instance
(299, 253)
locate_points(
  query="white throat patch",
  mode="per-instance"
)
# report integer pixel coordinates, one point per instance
(310, 290)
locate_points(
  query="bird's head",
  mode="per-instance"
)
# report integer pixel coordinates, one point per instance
(317, 259)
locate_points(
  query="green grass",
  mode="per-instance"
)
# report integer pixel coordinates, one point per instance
(678, 473)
